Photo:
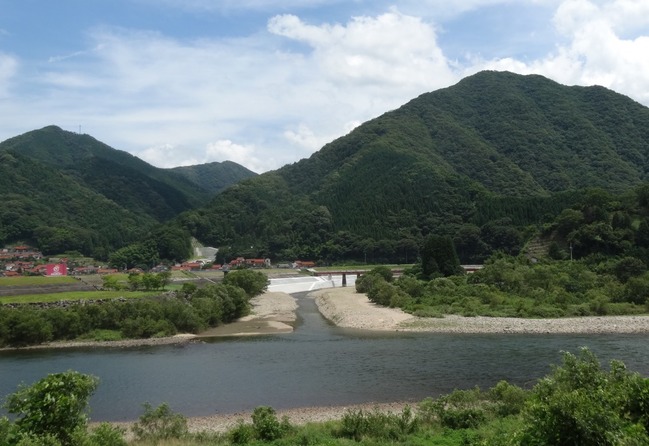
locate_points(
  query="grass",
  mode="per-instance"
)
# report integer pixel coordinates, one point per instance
(102, 335)
(35, 280)
(75, 296)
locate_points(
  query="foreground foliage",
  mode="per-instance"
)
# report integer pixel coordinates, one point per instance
(578, 403)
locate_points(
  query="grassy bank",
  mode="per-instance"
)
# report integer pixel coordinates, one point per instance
(29, 281)
(74, 296)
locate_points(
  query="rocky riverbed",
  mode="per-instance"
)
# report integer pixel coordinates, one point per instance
(347, 308)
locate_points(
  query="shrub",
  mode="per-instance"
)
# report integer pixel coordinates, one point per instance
(411, 286)
(266, 425)
(427, 312)
(242, 434)
(461, 409)
(382, 293)
(252, 282)
(510, 399)
(579, 403)
(106, 435)
(361, 424)
(54, 406)
(26, 327)
(628, 267)
(367, 282)
(188, 289)
(160, 423)
(636, 289)
(382, 271)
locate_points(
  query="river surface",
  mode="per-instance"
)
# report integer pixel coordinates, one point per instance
(316, 365)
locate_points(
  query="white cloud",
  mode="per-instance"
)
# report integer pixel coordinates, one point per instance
(259, 93)
(246, 156)
(8, 68)
(594, 52)
(390, 50)
(303, 136)
(284, 91)
(168, 155)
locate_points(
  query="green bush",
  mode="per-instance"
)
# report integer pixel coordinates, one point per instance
(26, 327)
(54, 406)
(160, 423)
(461, 409)
(382, 271)
(579, 403)
(242, 434)
(104, 435)
(266, 425)
(509, 399)
(382, 293)
(252, 282)
(411, 286)
(362, 424)
(367, 282)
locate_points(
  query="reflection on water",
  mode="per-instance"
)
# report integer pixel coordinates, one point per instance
(318, 364)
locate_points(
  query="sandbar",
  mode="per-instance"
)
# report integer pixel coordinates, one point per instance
(347, 308)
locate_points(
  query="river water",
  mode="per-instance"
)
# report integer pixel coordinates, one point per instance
(316, 365)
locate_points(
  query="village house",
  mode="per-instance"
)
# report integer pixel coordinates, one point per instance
(249, 263)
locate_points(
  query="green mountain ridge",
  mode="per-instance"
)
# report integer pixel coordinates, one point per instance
(124, 178)
(65, 191)
(436, 164)
(49, 207)
(216, 176)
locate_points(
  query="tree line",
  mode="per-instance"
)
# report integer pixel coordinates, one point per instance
(189, 310)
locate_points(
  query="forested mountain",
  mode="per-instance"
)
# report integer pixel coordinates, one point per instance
(62, 191)
(50, 209)
(215, 177)
(130, 182)
(477, 161)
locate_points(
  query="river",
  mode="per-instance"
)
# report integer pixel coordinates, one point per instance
(316, 365)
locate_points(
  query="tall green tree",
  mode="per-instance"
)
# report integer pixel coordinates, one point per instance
(439, 258)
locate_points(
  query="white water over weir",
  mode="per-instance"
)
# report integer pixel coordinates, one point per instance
(309, 283)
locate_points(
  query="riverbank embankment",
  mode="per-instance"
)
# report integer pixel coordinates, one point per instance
(270, 313)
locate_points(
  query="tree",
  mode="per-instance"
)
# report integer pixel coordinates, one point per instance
(165, 278)
(579, 404)
(53, 406)
(252, 282)
(110, 282)
(160, 423)
(628, 267)
(173, 243)
(438, 257)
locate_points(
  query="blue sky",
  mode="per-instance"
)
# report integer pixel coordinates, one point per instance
(268, 82)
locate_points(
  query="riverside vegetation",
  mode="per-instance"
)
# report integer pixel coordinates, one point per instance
(578, 403)
(189, 310)
(515, 287)
(594, 263)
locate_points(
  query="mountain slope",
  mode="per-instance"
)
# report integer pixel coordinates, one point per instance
(46, 207)
(214, 177)
(432, 164)
(120, 176)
